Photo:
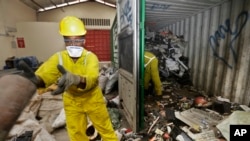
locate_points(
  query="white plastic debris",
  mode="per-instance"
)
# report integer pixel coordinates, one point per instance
(60, 121)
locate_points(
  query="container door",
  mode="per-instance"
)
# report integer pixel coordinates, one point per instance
(128, 54)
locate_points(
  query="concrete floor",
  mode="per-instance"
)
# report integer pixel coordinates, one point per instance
(61, 134)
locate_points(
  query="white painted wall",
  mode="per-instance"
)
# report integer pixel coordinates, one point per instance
(40, 30)
(11, 12)
(50, 35)
(41, 39)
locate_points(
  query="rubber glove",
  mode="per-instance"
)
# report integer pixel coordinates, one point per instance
(28, 72)
(68, 79)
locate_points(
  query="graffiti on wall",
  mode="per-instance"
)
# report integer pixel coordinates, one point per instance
(224, 29)
(126, 14)
(156, 6)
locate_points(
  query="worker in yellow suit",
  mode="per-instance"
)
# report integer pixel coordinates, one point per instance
(151, 73)
(76, 70)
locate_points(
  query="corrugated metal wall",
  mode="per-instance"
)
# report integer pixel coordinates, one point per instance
(219, 49)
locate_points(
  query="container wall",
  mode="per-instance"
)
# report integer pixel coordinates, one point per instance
(219, 49)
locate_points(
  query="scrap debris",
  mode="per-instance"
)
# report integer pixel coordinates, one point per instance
(182, 114)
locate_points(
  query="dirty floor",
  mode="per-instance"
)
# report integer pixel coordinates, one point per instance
(61, 134)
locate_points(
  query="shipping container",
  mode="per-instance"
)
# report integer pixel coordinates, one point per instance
(217, 33)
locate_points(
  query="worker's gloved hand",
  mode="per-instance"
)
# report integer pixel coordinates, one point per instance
(28, 72)
(68, 79)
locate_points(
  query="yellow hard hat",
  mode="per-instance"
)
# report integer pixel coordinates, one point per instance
(72, 26)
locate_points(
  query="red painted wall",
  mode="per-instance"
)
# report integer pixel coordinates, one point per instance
(98, 42)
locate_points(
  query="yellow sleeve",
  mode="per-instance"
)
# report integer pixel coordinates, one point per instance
(48, 71)
(93, 72)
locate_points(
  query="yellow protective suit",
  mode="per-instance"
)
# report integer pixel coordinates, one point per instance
(80, 103)
(152, 72)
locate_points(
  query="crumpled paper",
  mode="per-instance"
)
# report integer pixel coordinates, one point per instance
(236, 118)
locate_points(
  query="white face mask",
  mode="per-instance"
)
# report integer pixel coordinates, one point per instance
(74, 51)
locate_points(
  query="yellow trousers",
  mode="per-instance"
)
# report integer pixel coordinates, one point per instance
(92, 105)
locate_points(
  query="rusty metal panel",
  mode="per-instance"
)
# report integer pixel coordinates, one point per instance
(166, 12)
(243, 89)
(191, 42)
(220, 52)
(182, 28)
(177, 28)
(170, 27)
(209, 77)
(174, 28)
(240, 22)
(232, 54)
(197, 46)
(186, 34)
(204, 50)
(218, 44)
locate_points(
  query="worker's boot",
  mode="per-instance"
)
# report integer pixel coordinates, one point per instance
(158, 97)
(146, 92)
